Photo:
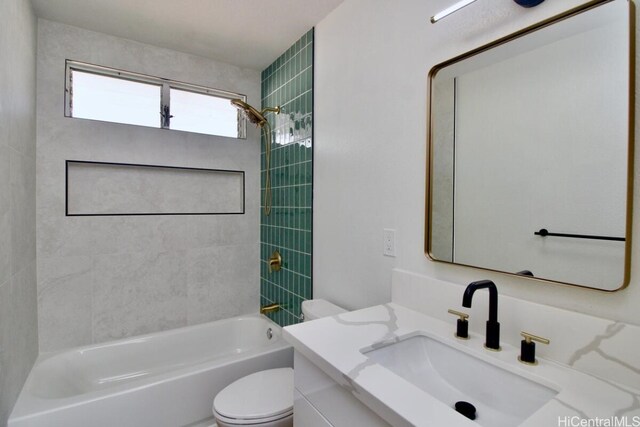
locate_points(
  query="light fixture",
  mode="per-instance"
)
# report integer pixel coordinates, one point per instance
(528, 3)
(451, 9)
(456, 7)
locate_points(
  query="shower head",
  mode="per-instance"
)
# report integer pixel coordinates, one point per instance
(250, 113)
(256, 117)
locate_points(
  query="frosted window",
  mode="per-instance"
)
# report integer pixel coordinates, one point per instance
(115, 100)
(201, 113)
(111, 95)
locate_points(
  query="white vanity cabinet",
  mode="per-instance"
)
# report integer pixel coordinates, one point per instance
(320, 401)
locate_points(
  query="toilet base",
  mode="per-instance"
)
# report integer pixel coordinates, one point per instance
(282, 422)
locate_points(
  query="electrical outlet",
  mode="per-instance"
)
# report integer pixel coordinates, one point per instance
(389, 242)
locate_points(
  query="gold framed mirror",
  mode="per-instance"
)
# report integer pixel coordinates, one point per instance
(530, 158)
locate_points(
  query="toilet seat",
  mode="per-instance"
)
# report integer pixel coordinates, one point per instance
(253, 422)
(261, 397)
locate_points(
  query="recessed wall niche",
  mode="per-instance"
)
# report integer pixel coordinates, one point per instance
(106, 189)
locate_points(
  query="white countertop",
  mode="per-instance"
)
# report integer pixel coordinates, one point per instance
(334, 344)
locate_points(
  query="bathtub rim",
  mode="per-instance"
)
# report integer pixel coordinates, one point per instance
(29, 404)
(167, 332)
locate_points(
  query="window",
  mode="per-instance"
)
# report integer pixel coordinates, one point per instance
(115, 100)
(106, 94)
(197, 112)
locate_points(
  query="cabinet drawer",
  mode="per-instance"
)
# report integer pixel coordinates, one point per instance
(335, 403)
(305, 415)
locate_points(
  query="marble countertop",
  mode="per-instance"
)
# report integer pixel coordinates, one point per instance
(334, 344)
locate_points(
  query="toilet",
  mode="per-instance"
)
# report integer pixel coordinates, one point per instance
(265, 398)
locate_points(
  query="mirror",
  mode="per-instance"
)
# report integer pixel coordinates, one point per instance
(530, 139)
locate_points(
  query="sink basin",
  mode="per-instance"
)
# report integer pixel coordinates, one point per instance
(501, 398)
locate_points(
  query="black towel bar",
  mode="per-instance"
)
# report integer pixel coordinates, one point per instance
(544, 232)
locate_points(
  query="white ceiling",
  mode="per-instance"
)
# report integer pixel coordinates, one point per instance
(247, 33)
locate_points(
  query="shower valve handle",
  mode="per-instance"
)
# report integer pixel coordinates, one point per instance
(275, 262)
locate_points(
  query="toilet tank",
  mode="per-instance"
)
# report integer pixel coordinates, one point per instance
(317, 308)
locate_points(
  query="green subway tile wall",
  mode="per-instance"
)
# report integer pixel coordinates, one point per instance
(288, 82)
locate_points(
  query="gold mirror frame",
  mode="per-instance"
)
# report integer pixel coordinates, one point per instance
(630, 146)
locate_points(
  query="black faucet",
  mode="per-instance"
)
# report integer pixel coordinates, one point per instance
(492, 341)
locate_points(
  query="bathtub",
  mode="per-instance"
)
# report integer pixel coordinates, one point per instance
(161, 379)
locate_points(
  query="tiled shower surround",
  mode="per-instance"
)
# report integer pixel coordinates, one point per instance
(102, 278)
(288, 82)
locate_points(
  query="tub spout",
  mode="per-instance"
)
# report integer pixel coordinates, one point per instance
(270, 308)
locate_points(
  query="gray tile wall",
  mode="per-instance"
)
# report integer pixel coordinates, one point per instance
(103, 278)
(18, 318)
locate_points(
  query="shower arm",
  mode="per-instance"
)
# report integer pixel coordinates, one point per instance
(271, 110)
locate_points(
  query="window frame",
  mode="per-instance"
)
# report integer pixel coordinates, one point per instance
(165, 94)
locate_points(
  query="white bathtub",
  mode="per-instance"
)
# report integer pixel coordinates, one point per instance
(162, 379)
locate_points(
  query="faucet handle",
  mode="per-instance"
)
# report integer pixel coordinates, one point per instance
(463, 316)
(530, 337)
(528, 348)
(462, 330)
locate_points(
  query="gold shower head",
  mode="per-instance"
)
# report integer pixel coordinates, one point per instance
(256, 117)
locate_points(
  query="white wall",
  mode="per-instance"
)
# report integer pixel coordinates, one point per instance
(372, 59)
(18, 318)
(101, 278)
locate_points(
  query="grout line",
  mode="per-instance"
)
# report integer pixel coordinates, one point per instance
(284, 309)
(300, 49)
(283, 288)
(287, 207)
(288, 60)
(285, 268)
(286, 166)
(287, 186)
(289, 81)
(302, 142)
(283, 247)
(286, 228)
(280, 147)
(308, 91)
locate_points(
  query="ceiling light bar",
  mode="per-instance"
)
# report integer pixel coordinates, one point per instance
(451, 9)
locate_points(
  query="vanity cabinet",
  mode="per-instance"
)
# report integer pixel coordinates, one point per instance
(320, 401)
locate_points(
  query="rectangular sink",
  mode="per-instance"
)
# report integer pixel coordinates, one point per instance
(501, 398)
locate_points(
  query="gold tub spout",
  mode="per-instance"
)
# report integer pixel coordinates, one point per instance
(269, 308)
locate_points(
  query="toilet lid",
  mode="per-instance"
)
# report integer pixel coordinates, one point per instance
(264, 394)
